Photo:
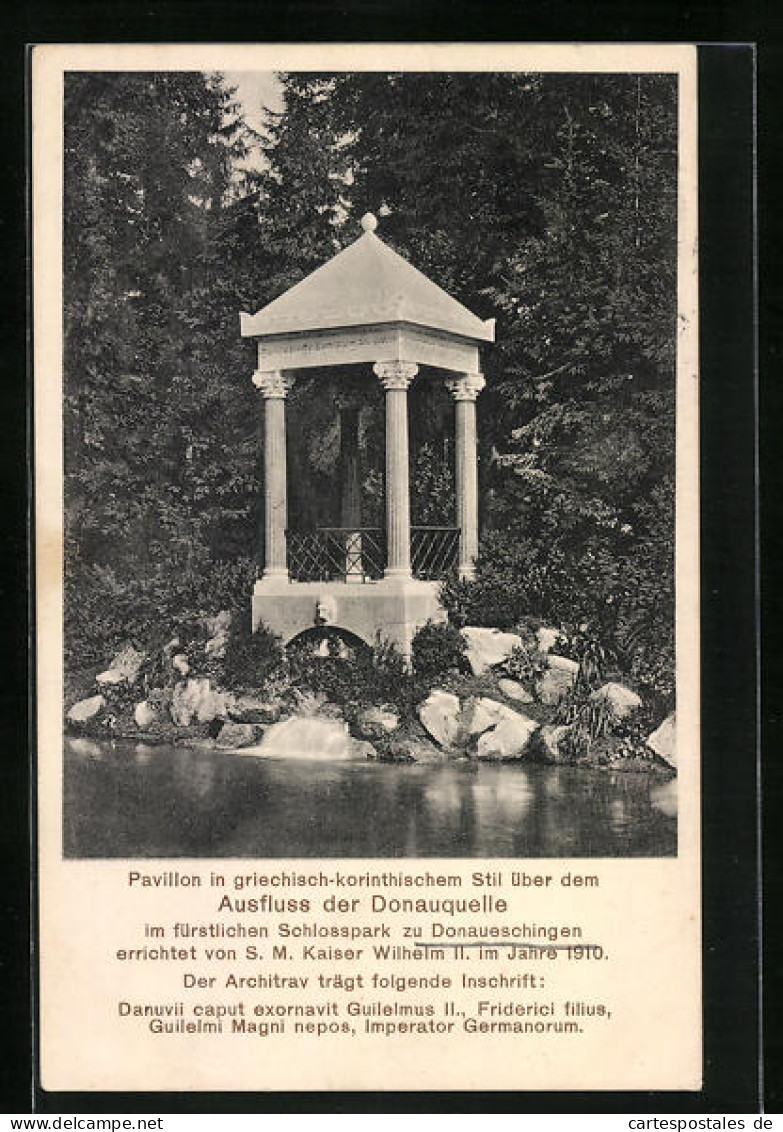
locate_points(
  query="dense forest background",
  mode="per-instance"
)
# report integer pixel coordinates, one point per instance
(546, 201)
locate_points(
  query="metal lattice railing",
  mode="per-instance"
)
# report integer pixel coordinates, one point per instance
(359, 553)
(331, 553)
(434, 551)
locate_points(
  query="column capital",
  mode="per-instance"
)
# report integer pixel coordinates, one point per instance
(272, 383)
(395, 375)
(466, 387)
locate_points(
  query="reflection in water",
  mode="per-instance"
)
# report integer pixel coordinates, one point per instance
(126, 800)
(663, 796)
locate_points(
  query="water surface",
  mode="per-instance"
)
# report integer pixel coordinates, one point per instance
(133, 800)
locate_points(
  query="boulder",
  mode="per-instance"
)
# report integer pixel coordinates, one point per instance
(513, 690)
(488, 647)
(219, 628)
(195, 700)
(124, 668)
(440, 716)
(508, 740)
(547, 639)
(557, 680)
(622, 700)
(85, 710)
(253, 709)
(483, 713)
(220, 623)
(375, 722)
(363, 748)
(664, 740)
(311, 738)
(549, 738)
(232, 735)
(145, 714)
(181, 664)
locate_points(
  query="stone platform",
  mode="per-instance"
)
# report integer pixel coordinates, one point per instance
(394, 608)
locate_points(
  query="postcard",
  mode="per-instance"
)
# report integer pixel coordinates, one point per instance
(367, 585)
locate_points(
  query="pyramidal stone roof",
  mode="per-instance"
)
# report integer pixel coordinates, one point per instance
(365, 284)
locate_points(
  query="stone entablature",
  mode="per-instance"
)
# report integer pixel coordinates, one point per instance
(367, 344)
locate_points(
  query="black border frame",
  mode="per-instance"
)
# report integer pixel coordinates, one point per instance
(732, 1081)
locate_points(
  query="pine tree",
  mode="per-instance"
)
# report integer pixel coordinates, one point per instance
(160, 453)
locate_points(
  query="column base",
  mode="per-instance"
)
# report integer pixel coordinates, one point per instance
(398, 574)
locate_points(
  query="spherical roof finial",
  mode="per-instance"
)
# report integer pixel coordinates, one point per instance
(369, 222)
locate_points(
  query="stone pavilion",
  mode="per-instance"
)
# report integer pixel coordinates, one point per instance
(367, 306)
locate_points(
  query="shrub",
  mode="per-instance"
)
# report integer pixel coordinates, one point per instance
(437, 648)
(499, 595)
(588, 721)
(104, 609)
(595, 656)
(631, 734)
(252, 658)
(524, 664)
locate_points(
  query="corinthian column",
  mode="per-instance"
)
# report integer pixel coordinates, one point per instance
(274, 387)
(465, 390)
(395, 378)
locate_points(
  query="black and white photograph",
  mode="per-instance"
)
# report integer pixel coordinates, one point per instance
(370, 454)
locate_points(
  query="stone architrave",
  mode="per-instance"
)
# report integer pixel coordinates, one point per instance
(465, 390)
(395, 378)
(274, 386)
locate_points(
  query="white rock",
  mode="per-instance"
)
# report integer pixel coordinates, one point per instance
(145, 714)
(375, 722)
(488, 647)
(440, 715)
(557, 680)
(483, 713)
(216, 646)
(234, 735)
(550, 737)
(310, 738)
(546, 638)
(85, 710)
(125, 667)
(515, 691)
(180, 663)
(196, 700)
(249, 708)
(622, 700)
(664, 740)
(220, 623)
(508, 740)
(219, 629)
(110, 677)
